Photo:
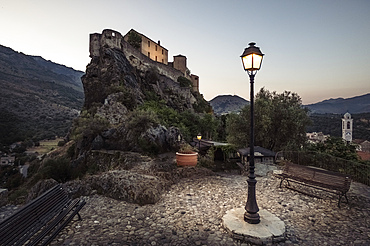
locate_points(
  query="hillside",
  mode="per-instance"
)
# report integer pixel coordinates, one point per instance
(38, 98)
(225, 104)
(353, 105)
(332, 124)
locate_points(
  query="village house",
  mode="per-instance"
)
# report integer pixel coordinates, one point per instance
(7, 160)
(261, 155)
(317, 137)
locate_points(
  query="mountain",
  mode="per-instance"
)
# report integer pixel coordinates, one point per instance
(224, 104)
(38, 98)
(354, 105)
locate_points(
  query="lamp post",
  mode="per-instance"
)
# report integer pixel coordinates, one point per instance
(252, 59)
(199, 137)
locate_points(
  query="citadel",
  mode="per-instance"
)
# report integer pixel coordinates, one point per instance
(147, 54)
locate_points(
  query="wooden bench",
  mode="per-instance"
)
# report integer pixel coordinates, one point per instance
(40, 221)
(329, 181)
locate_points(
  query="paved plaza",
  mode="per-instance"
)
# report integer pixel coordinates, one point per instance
(191, 211)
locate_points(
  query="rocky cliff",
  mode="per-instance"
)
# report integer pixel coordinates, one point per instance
(117, 83)
(115, 130)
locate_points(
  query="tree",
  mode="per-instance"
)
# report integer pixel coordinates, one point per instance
(336, 147)
(134, 39)
(280, 122)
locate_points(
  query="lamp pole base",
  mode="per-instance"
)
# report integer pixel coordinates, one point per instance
(252, 218)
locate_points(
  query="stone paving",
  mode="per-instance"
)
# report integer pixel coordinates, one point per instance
(191, 211)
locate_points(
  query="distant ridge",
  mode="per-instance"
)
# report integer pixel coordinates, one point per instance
(353, 105)
(225, 104)
(38, 98)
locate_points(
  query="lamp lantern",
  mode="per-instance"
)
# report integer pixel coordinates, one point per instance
(252, 58)
(199, 137)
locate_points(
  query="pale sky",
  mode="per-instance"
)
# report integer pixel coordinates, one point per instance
(318, 49)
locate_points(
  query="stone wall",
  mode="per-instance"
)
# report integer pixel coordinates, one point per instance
(150, 48)
(144, 63)
(108, 38)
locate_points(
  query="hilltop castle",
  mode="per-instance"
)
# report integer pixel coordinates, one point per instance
(133, 43)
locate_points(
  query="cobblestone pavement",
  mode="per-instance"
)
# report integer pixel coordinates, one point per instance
(191, 211)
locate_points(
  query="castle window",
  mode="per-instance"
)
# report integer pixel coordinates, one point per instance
(155, 58)
(156, 48)
(149, 54)
(148, 43)
(348, 125)
(162, 52)
(162, 61)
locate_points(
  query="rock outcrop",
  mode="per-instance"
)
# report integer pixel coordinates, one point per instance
(115, 132)
(116, 83)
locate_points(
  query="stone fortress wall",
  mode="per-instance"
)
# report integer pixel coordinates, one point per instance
(113, 39)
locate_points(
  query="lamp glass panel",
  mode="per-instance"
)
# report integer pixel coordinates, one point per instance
(257, 59)
(247, 62)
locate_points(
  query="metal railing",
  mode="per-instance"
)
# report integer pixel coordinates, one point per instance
(359, 172)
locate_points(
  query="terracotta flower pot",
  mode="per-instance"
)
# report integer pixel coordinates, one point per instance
(186, 158)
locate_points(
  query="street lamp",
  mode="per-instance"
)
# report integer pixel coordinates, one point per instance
(199, 137)
(252, 60)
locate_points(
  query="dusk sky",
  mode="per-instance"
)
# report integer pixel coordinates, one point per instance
(318, 49)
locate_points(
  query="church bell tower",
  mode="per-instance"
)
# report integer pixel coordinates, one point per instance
(347, 127)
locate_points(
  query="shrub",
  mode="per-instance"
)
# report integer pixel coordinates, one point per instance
(184, 82)
(207, 160)
(134, 39)
(58, 169)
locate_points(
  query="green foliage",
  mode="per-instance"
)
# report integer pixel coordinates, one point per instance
(187, 148)
(88, 126)
(184, 82)
(17, 196)
(237, 128)
(58, 169)
(280, 122)
(134, 39)
(141, 120)
(227, 150)
(61, 143)
(10, 129)
(148, 147)
(151, 76)
(207, 160)
(336, 147)
(10, 177)
(201, 106)
(190, 124)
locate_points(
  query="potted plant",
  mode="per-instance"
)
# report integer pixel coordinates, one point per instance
(186, 156)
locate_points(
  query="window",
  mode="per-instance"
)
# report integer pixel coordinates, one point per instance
(155, 58)
(148, 43)
(149, 54)
(162, 61)
(348, 125)
(162, 52)
(156, 48)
